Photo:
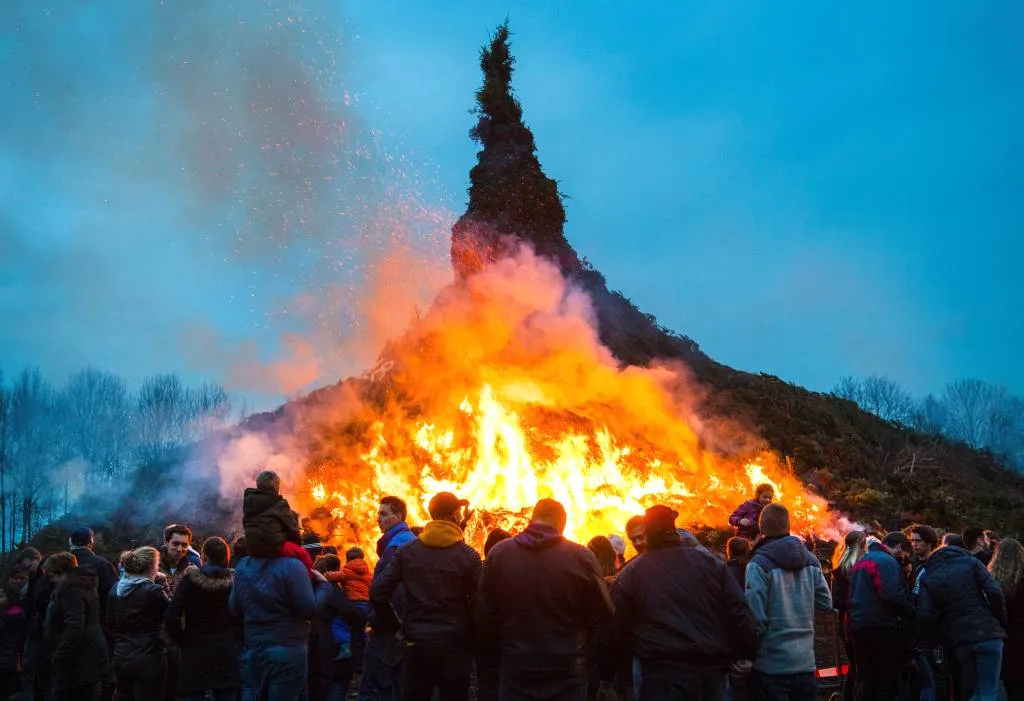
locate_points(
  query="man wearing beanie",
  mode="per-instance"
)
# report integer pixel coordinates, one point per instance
(685, 614)
(786, 579)
(440, 574)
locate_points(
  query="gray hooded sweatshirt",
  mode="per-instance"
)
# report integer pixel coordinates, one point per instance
(784, 587)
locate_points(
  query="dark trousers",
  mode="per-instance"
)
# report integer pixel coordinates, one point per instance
(526, 686)
(667, 681)
(488, 676)
(881, 655)
(383, 668)
(443, 666)
(140, 680)
(782, 687)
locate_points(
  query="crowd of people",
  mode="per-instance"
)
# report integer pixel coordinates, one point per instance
(537, 617)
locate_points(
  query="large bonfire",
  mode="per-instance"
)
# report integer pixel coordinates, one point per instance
(504, 393)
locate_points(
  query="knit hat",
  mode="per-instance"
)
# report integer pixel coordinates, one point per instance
(618, 544)
(661, 518)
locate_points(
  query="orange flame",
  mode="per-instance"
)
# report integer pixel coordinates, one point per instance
(503, 394)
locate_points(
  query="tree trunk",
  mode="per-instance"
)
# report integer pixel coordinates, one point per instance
(26, 518)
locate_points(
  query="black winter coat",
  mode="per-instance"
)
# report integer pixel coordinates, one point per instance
(539, 596)
(106, 574)
(960, 603)
(13, 626)
(1013, 652)
(268, 521)
(199, 621)
(441, 575)
(135, 619)
(322, 647)
(73, 627)
(684, 605)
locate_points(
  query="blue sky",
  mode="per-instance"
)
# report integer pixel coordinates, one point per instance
(824, 190)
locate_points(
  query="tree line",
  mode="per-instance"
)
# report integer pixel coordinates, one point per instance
(91, 432)
(983, 415)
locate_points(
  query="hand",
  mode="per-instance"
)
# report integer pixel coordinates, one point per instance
(742, 667)
(746, 522)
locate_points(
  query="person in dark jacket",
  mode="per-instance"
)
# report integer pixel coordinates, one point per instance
(35, 656)
(330, 675)
(277, 599)
(487, 662)
(135, 617)
(880, 617)
(199, 621)
(13, 626)
(962, 606)
(1007, 568)
(267, 518)
(441, 575)
(785, 586)
(685, 613)
(73, 627)
(384, 655)
(976, 543)
(540, 594)
(737, 553)
(746, 517)
(82, 541)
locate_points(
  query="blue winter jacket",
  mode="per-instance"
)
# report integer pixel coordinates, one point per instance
(276, 600)
(878, 595)
(387, 545)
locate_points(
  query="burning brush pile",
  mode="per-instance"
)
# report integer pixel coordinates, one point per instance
(503, 391)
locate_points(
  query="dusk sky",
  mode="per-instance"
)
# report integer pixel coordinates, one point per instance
(809, 189)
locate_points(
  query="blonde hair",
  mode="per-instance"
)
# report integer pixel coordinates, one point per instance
(849, 551)
(141, 561)
(1007, 565)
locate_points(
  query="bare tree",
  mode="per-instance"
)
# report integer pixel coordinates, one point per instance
(96, 414)
(930, 416)
(849, 387)
(32, 420)
(970, 404)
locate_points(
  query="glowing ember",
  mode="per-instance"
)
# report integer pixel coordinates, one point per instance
(502, 394)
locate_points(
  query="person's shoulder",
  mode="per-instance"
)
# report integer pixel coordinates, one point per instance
(469, 552)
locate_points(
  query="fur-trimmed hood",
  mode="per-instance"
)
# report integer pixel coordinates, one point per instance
(211, 577)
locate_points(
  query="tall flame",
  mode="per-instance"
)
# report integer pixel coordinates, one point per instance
(503, 394)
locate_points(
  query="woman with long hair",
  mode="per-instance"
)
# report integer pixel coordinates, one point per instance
(1007, 567)
(135, 617)
(209, 663)
(847, 554)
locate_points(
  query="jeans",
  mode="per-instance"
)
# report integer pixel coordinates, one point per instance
(247, 692)
(531, 687)
(783, 687)
(437, 665)
(279, 671)
(383, 668)
(980, 666)
(140, 680)
(667, 681)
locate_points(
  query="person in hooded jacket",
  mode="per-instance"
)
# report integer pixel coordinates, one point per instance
(199, 621)
(746, 517)
(785, 586)
(79, 658)
(134, 618)
(540, 595)
(441, 576)
(962, 605)
(880, 614)
(685, 613)
(35, 656)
